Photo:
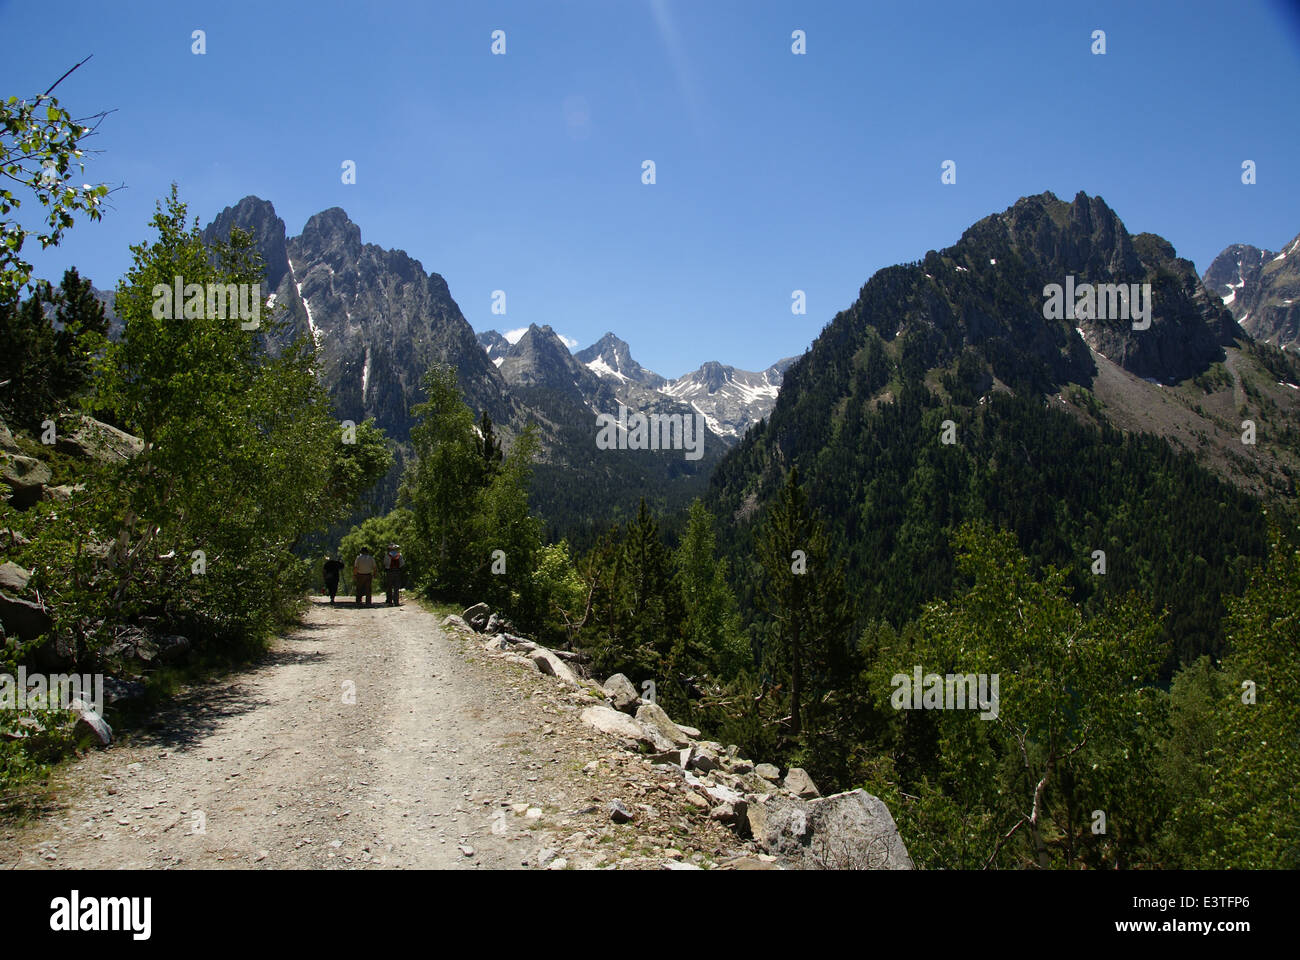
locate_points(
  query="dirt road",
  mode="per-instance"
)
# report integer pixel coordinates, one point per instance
(444, 758)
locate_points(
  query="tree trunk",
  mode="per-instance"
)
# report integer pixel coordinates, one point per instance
(796, 685)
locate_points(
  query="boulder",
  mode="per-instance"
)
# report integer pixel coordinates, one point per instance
(660, 742)
(739, 766)
(618, 812)
(451, 620)
(520, 643)
(768, 771)
(725, 813)
(26, 475)
(62, 493)
(493, 625)
(13, 578)
(847, 831)
(749, 863)
(615, 723)
(691, 732)
(759, 785)
(547, 662)
(800, 784)
(621, 693)
(6, 438)
(703, 761)
(477, 616)
(714, 791)
(92, 439)
(90, 725)
(652, 717)
(23, 618)
(680, 758)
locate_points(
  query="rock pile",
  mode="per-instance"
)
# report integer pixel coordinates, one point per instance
(30, 479)
(785, 817)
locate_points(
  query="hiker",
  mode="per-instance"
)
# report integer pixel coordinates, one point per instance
(363, 571)
(333, 566)
(393, 563)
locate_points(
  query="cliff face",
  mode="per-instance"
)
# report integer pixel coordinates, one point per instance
(1262, 289)
(380, 320)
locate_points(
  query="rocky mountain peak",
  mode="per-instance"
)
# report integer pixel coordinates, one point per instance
(494, 344)
(258, 217)
(712, 375)
(611, 358)
(331, 229)
(1006, 262)
(540, 358)
(1261, 289)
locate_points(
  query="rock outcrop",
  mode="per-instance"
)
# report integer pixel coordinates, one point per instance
(1262, 289)
(30, 479)
(847, 831)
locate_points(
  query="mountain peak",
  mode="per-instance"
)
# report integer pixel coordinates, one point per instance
(1261, 289)
(330, 228)
(256, 216)
(611, 359)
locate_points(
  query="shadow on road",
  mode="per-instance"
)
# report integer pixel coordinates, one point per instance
(195, 714)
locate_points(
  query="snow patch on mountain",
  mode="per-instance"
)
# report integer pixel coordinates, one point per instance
(602, 369)
(306, 306)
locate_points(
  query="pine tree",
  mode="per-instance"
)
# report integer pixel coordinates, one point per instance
(82, 335)
(710, 638)
(803, 596)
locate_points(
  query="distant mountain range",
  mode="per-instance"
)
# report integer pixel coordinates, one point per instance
(379, 320)
(730, 400)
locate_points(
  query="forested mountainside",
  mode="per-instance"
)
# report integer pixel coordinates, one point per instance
(1077, 434)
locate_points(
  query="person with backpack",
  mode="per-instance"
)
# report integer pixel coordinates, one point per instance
(393, 563)
(333, 567)
(363, 572)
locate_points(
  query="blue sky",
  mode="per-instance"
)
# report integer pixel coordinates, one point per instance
(775, 172)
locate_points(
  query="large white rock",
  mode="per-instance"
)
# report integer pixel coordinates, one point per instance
(615, 723)
(652, 717)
